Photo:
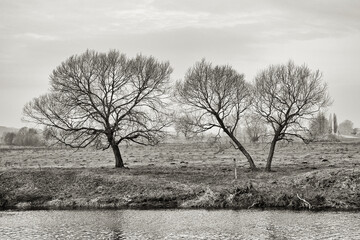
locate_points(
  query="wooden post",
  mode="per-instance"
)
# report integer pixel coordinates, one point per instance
(235, 169)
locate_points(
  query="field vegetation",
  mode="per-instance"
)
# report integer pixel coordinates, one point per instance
(101, 101)
(312, 176)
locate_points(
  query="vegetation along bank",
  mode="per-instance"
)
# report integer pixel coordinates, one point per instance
(195, 179)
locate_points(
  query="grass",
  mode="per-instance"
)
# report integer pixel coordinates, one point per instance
(192, 175)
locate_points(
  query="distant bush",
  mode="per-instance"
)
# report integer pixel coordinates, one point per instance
(327, 138)
(24, 137)
(9, 137)
(346, 127)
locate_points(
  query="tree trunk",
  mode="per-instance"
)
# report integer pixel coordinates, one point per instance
(243, 150)
(237, 143)
(248, 157)
(271, 155)
(118, 159)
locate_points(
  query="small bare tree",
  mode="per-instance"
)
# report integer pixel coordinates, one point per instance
(255, 127)
(104, 99)
(216, 97)
(183, 124)
(319, 126)
(285, 96)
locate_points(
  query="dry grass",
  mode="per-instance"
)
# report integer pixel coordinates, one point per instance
(182, 175)
(296, 156)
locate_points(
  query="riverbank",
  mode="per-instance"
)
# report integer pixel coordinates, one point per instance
(317, 176)
(151, 187)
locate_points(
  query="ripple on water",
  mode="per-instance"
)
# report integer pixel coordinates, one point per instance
(178, 224)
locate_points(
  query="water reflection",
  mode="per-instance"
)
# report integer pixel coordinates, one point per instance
(116, 225)
(178, 224)
(117, 234)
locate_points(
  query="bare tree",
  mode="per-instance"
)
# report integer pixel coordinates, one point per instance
(27, 137)
(183, 124)
(104, 98)
(255, 127)
(319, 126)
(216, 97)
(285, 96)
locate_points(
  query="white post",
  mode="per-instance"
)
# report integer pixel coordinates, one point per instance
(235, 169)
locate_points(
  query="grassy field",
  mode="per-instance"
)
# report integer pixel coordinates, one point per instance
(188, 175)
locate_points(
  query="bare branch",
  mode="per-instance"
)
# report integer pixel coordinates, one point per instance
(285, 97)
(108, 97)
(216, 97)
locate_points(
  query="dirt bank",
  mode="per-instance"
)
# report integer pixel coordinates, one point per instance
(179, 187)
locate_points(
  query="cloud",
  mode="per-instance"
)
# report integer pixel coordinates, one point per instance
(267, 21)
(36, 36)
(271, 20)
(292, 20)
(151, 19)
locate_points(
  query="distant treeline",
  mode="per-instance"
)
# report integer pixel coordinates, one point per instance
(321, 127)
(24, 137)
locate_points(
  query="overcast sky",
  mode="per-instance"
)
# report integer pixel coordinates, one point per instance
(37, 35)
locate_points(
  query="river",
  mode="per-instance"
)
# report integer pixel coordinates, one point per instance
(178, 224)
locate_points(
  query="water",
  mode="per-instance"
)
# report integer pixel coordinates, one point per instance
(178, 224)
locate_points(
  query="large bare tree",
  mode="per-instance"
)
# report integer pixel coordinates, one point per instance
(285, 96)
(104, 99)
(215, 97)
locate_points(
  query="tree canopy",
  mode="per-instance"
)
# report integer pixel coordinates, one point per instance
(104, 98)
(287, 95)
(346, 127)
(215, 97)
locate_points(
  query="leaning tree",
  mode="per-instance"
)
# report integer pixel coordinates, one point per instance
(215, 97)
(286, 96)
(104, 99)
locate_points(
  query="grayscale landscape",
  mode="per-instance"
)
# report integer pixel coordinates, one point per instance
(156, 119)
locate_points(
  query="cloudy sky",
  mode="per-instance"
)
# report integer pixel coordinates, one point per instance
(37, 35)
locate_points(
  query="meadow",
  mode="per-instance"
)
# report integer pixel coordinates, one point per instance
(292, 156)
(313, 176)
